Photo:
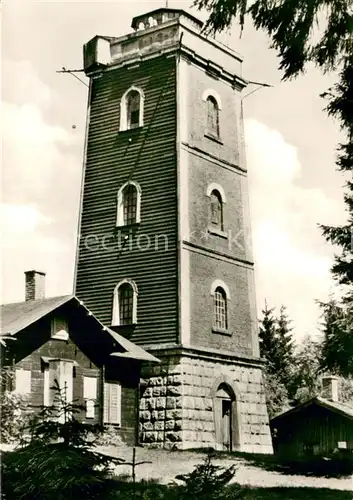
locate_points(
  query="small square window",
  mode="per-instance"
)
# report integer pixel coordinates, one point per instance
(59, 328)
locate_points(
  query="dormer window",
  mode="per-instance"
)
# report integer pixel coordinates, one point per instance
(131, 109)
(59, 328)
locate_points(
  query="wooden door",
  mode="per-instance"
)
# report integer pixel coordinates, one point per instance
(223, 407)
(226, 426)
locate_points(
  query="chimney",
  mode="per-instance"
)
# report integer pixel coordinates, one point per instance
(330, 388)
(35, 285)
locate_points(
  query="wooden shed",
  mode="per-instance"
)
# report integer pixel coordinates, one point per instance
(317, 427)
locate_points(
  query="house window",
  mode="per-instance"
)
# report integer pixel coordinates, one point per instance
(90, 395)
(220, 309)
(216, 210)
(58, 384)
(47, 396)
(129, 204)
(59, 328)
(125, 303)
(131, 109)
(112, 403)
(212, 116)
(23, 380)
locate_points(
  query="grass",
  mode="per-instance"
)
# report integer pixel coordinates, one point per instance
(281, 493)
(333, 466)
(153, 491)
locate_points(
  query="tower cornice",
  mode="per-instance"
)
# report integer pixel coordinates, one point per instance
(177, 35)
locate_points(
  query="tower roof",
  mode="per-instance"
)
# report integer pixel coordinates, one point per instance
(162, 15)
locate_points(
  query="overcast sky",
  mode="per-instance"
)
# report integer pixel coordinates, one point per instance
(290, 154)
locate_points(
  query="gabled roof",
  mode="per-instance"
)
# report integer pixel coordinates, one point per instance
(342, 409)
(20, 315)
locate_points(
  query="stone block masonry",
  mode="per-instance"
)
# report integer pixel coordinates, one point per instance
(179, 409)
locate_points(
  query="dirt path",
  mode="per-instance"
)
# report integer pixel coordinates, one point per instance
(167, 464)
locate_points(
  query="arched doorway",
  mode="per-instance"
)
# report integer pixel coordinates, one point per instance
(225, 414)
(226, 408)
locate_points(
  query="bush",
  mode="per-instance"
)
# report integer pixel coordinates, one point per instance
(109, 437)
(207, 481)
(143, 490)
(13, 417)
(14, 408)
(56, 460)
(61, 471)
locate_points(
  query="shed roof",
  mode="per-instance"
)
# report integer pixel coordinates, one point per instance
(17, 316)
(342, 409)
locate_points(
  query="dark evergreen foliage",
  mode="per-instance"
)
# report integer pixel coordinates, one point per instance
(56, 459)
(267, 338)
(306, 377)
(285, 347)
(291, 25)
(207, 481)
(276, 344)
(276, 347)
(337, 351)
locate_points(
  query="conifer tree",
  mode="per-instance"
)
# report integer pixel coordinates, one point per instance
(305, 382)
(284, 339)
(337, 351)
(271, 350)
(267, 338)
(276, 343)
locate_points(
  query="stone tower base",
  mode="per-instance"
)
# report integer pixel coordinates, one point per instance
(195, 399)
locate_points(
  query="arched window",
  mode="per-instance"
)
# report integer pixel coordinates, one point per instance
(212, 116)
(221, 295)
(129, 204)
(216, 208)
(213, 106)
(220, 320)
(125, 303)
(131, 109)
